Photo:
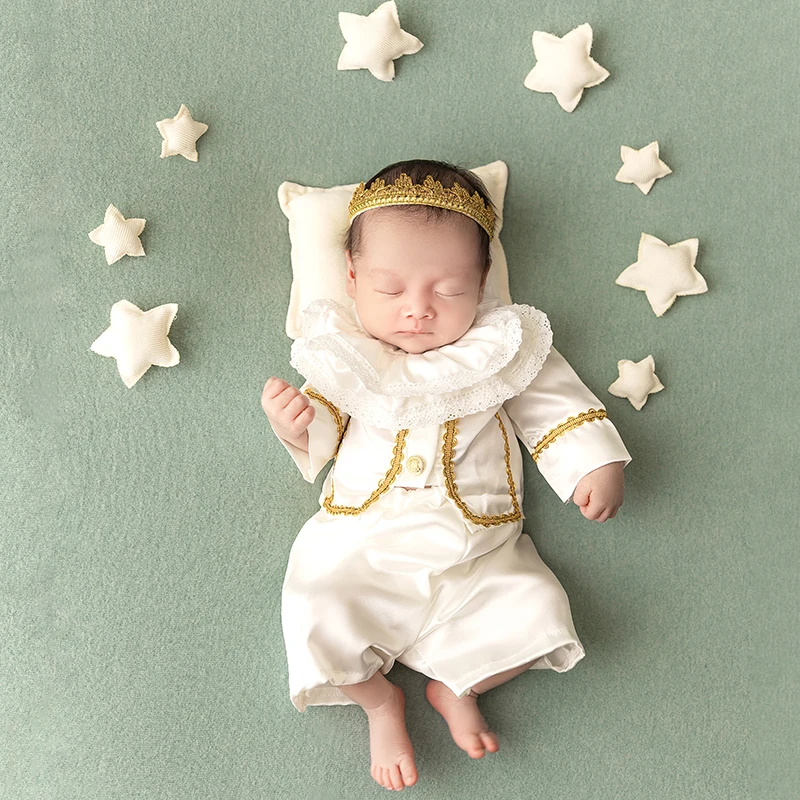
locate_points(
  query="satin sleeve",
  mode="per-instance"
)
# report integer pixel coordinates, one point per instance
(564, 426)
(324, 435)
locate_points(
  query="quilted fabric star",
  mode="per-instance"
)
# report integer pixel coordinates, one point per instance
(180, 134)
(636, 381)
(563, 65)
(138, 339)
(642, 167)
(118, 235)
(664, 272)
(374, 42)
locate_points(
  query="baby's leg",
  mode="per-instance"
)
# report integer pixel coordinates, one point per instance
(391, 752)
(467, 725)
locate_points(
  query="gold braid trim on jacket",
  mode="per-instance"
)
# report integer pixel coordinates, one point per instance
(450, 440)
(383, 486)
(567, 425)
(337, 417)
(388, 480)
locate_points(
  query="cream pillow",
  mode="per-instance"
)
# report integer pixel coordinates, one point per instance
(317, 224)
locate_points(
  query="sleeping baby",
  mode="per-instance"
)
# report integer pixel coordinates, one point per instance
(419, 392)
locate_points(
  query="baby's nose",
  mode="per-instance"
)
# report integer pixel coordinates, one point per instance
(419, 308)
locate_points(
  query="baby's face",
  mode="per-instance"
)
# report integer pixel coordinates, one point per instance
(416, 276)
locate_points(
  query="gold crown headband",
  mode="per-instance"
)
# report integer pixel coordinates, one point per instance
(429, 193)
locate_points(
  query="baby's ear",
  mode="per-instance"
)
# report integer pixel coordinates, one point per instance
(350, 277)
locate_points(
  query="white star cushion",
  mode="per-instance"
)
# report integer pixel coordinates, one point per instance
(138, 339)
(664, 272)
(180, 134)
(118, 235)
(563, 65)
(317, 227)
(642, 167)
(374, 42)
(636, 381)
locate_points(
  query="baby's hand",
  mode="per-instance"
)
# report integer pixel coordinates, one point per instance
(599, 493)
(288, 409)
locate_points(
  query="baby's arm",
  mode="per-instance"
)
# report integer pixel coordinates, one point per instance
(564, 427)
(306, 424)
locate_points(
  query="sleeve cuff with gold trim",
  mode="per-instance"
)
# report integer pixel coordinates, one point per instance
(575, 448)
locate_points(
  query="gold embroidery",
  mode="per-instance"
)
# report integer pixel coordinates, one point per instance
(450, 440)
(337, 417)
(568, 425)
(388, 480)
(428, 193)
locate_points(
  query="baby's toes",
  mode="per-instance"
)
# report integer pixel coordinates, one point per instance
(490, 742)
(386, 778)
(473, 745)
(379, 774)
(408, 771)
(395, 779)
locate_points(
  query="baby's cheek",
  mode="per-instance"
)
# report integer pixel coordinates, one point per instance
(375, 318)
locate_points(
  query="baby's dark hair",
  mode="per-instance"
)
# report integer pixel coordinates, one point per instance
(418, 169)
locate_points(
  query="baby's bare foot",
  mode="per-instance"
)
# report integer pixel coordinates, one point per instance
(390, 748)
(467, 725)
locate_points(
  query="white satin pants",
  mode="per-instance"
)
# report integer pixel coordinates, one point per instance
(406, 580)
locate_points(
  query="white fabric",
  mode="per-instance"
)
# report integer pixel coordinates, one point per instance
(374, 41)
(180, 134)
(637, 380)
(664, 272)
(318, 224)
(641, 167)
(564, 66)
(411, 578)
(119, 236)
(384, 386)
(408, 583)
(138, 339)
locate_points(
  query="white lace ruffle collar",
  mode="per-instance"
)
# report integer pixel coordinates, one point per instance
(385, 386)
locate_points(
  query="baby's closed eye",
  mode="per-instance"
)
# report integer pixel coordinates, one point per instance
(441, 294)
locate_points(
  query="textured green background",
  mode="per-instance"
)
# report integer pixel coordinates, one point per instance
(145, 531)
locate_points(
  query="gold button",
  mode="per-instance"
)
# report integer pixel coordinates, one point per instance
(415, 465)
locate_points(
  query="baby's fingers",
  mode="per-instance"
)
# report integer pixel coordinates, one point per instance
(305, 417)
(272, 388)
(581, 495)
(595, 507)
(297, 414)
(590, 511)
(606, 511)
(282, 398)
(295, 404)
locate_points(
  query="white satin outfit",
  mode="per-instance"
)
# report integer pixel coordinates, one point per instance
(417, 553)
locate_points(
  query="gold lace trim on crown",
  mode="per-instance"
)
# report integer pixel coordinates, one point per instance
(429, 193)
(567, 425)
(385, 484)
(337, 417)
(450, 440)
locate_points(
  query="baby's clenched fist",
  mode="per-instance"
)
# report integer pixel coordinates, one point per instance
(288, 409)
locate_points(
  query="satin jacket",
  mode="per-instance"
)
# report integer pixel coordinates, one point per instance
(458, 413)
